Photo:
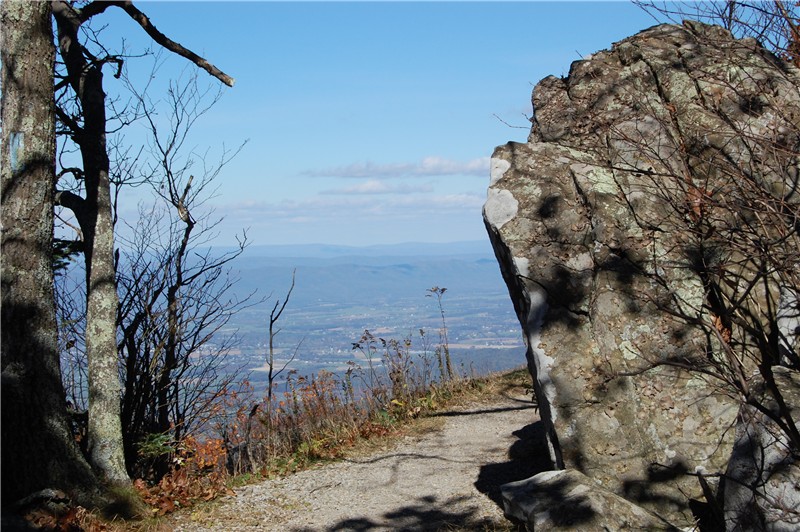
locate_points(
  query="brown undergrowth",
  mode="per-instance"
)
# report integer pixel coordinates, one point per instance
(312, 424)
(378, 430)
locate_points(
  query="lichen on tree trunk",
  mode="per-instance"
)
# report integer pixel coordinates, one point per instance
(105, 442)
(37, 446)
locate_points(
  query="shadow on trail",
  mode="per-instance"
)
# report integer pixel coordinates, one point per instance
(405, 456)
(457, 413)
(460, 509)
(526, 457)
(425, 513)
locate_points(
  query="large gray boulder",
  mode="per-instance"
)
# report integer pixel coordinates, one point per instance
(597, 256)
(762, 481)
(569, 500)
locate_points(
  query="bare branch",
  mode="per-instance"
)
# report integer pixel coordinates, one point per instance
(76, 204)
(169, 44)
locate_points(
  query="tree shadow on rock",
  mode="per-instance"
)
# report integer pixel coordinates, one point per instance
(648, 490)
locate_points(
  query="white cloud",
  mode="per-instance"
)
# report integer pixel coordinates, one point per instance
(374, 186)
(358, 218)
(427, 167)
(440, 166)
(317, 208)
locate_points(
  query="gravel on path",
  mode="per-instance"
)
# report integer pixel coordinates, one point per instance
(444, 479)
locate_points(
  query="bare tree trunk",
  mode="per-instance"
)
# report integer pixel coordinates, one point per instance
(105, 428)
(37, 447)
(96, 219)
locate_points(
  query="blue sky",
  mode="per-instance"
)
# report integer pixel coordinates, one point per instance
(369, 122)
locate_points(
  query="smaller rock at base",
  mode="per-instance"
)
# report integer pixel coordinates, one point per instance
(569, 500)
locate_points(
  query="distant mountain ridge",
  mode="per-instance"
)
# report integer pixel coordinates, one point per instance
(407, 249)
(373, 273)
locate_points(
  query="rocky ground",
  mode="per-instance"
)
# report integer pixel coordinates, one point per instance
(443, 474)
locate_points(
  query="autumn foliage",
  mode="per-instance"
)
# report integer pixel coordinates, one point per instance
(311, 418)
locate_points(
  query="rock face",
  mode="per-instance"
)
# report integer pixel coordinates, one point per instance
(762, 482)
(568, 500)
(593, 247)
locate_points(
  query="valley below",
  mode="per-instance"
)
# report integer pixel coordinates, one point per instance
(341, 292)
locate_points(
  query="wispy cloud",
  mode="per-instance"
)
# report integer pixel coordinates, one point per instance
(318, 208)
(357, 218)
(427, 167)
(375, 186)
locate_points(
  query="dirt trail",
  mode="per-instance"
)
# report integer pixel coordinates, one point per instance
(445, 477)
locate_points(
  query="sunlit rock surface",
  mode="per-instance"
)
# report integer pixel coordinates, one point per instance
(592, 256)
